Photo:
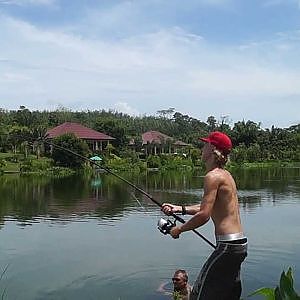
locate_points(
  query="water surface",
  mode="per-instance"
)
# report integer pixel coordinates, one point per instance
(94, 237)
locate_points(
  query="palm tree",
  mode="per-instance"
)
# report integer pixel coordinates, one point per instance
(38, 133)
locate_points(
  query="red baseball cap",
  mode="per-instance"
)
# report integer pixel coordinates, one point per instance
(220, 140)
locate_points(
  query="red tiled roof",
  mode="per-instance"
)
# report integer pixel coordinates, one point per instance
(79, 130)
(155, 137)
(180, 143)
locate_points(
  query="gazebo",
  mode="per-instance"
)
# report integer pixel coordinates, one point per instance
(155, 142)
(96, 140)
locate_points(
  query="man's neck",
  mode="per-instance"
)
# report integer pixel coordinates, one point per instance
(210, 165)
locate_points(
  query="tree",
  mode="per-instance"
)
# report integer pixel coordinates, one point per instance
(38, 133)
(224, 124)
(3, 137)
(66, 159)
(109, 149)
(245, 133)
(212, 123)
(114, 128)
(166, 112)
(18, 135)
(23, 117)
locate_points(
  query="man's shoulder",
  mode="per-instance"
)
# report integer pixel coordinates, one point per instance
(218, 177)
(215, 174)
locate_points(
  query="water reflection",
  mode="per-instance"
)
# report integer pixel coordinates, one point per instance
(30, 198)
(27, 199)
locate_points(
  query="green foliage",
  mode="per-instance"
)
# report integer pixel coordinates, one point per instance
(175, 162)
(52, 172)
(58, 172)
(153, 161)
(35, 165)
(176, 295)
(195, 155)
(283, 291)
(2, 163)
(26, 166)
(109, 149)
(113, 127)
(131, 155)
(17, 135)
(245, 133)
(66, 159)
(251, 142)
(125, 165)
(169, 162)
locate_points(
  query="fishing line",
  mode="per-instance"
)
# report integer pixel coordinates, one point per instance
(137, 200)
(176, 217)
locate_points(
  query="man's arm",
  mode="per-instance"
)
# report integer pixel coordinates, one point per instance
(162, 289)
(169, 208)
(211, 184)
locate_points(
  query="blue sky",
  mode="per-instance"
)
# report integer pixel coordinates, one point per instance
(208, 57)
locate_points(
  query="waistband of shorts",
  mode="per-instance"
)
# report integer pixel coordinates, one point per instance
(234, 246)
(230, 237)
(242, 241)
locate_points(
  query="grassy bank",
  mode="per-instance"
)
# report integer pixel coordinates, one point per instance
(267, 164)
(17, 163)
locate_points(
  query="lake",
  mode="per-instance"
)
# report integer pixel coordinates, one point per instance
(95, 237)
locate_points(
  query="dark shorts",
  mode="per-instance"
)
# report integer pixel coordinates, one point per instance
(219, 278)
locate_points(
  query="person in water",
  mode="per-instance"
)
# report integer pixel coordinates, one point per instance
(181, 287)
(219, 278)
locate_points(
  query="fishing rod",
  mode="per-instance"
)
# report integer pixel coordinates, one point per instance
(168, 224)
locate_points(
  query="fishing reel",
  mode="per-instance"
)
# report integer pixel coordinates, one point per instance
(165, 226)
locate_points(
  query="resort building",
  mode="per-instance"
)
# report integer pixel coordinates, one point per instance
(97, 141)
(155, 142)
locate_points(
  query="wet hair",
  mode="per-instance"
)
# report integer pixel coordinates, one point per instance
(184, 273)
(221, 158)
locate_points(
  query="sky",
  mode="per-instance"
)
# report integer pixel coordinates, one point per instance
(233, 59)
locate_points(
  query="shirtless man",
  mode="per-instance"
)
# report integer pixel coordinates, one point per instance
(181, 287)
(219, 278)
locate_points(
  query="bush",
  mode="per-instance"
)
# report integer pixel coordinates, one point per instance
(2, 163)
(14, 158)
(283, 291)
(125, 165)
(26, 166)
(58, 172)
(66, 159)
(153, 161)
(195, 155)
(34, 165)
(131, 155)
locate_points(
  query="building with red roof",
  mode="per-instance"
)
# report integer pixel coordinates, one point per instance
(155, 142)
(96, 140)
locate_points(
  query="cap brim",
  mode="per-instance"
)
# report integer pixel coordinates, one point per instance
(206, 140)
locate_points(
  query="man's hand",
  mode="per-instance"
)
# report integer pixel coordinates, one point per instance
(169, 209)
(175, 232)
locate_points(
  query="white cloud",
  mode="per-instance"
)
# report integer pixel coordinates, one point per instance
(27, 2)
(126, 109)
(166, 68)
